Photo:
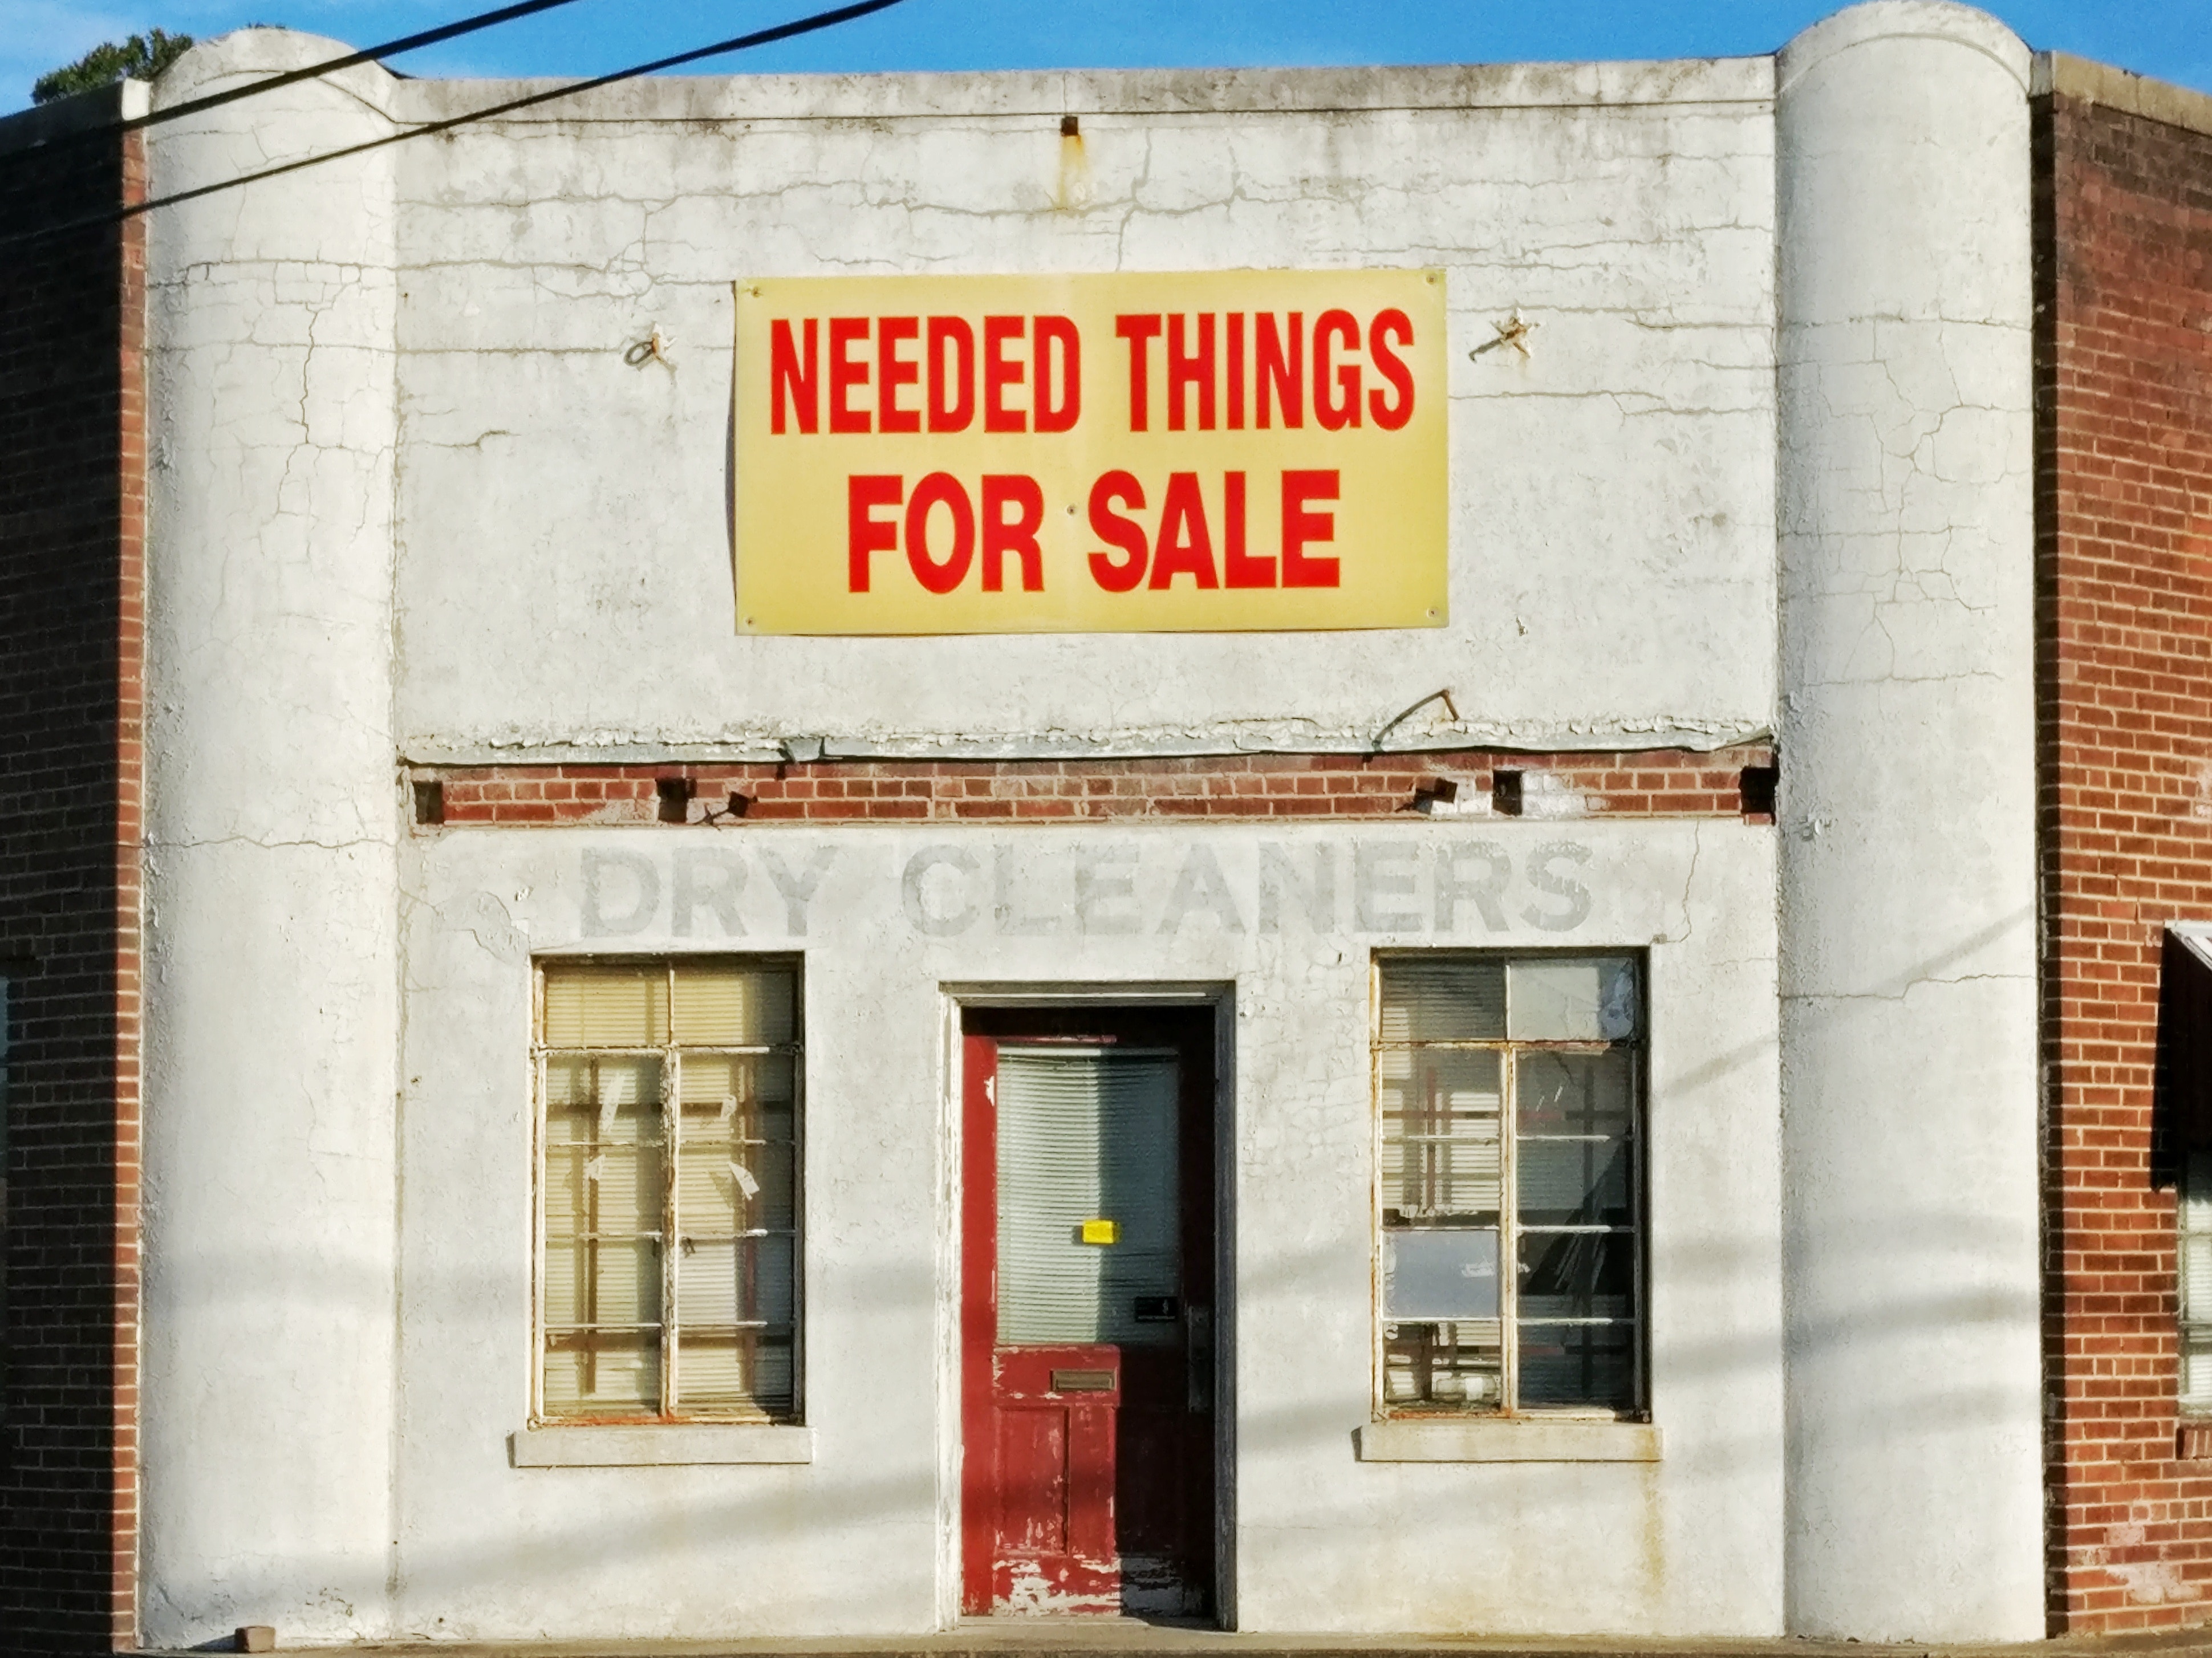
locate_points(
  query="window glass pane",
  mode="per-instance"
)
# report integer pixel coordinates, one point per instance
(1440, 1133)
(1459, 1364)
(721, 1282)
(2196, 1367)
(593, 1005)
(737, 1373)
(2197, 1194)
(1586, 1364)
(718, 1003)
(1574, 1093)
(1442, 999)
(1578, 1275)
(2197, 1276)
(603, 1373)
(723, 1188)
(1440, 1273)
(1571, 1000)
(1573, 1183)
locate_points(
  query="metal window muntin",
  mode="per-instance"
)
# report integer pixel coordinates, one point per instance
(1509, 1227)
(669, 1138)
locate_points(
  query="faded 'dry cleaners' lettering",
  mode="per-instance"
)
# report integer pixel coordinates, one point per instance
(950, 891)
(1218, 450)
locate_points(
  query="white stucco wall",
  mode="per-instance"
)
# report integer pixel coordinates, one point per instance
(488, 1550)
(411, 504)
(272, 975)
(1614, 494)
(1908, 832)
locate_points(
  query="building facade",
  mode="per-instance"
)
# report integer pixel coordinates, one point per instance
(1637, 1104)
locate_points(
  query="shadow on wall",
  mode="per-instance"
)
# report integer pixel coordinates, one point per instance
(454, 1571)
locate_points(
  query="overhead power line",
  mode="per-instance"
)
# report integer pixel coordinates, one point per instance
(406, 43)
(821, 20)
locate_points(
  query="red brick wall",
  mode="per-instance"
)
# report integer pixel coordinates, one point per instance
(1657, 782)
(72, 470)
(2125, 576)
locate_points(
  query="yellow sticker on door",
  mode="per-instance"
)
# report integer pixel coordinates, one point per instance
(1102, 1231)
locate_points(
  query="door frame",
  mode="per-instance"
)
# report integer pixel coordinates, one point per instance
(957, 998)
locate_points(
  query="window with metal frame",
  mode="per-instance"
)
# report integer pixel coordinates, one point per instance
(1510, 1259)
(2195, 1248)
(669, 1109)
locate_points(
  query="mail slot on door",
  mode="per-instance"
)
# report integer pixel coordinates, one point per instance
(1082, 1382)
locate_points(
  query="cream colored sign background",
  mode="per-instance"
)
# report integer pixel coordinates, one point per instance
(1384, 527)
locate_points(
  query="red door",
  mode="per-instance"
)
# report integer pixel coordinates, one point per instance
(1086, 1304)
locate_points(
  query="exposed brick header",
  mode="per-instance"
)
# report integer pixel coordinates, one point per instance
(2123, 483)
(1459, 784)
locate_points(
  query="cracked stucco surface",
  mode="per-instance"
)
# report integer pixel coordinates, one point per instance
(1907, 829)
(564, 556)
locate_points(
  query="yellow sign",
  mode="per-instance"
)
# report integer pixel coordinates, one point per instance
(1198, 452)
(1102, 1231)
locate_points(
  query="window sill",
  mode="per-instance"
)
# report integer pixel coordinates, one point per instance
(658, 1446)
(1519, 1439)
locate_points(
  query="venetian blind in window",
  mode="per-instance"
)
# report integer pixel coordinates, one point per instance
(669, 1190)
(1509, 1256)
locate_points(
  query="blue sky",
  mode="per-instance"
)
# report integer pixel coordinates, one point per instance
(2169, 39)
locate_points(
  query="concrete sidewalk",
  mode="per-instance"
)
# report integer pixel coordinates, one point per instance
(1116, 1637)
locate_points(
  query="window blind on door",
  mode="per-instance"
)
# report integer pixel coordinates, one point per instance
(1086, 1134)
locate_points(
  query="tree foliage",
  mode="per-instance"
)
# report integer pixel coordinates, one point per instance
(141, 58)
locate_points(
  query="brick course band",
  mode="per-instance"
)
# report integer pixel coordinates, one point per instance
(1459, 783)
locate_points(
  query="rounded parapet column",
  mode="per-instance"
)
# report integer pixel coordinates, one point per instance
(271, 859)
(1908, 878)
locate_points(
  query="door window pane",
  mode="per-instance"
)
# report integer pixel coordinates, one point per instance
(1086, 1135)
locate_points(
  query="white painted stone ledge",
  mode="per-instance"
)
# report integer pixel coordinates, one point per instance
(674, 1445)
(1522, 1439)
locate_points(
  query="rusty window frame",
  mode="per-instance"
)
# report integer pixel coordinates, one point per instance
(668, 1054)
(1510, 1228)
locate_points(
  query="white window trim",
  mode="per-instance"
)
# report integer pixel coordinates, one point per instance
(658, 1444)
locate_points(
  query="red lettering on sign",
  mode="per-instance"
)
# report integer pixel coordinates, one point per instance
(1239, 569)
(1390, 416)
(940, 489)
(1279, 365)
(1235, 324)
(1120, 488)
(1184, 547)
(845, 374)
(955, 413)
(1140, 332)
(1058, 391)
(1187, 369)
(893, 371)
(1301, 527)
(998, 373)
(865, 533)
(1018, 536)
(1335, 414)
(792, 370)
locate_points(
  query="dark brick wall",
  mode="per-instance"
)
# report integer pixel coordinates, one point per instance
(2124, 243)
(71, 517)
